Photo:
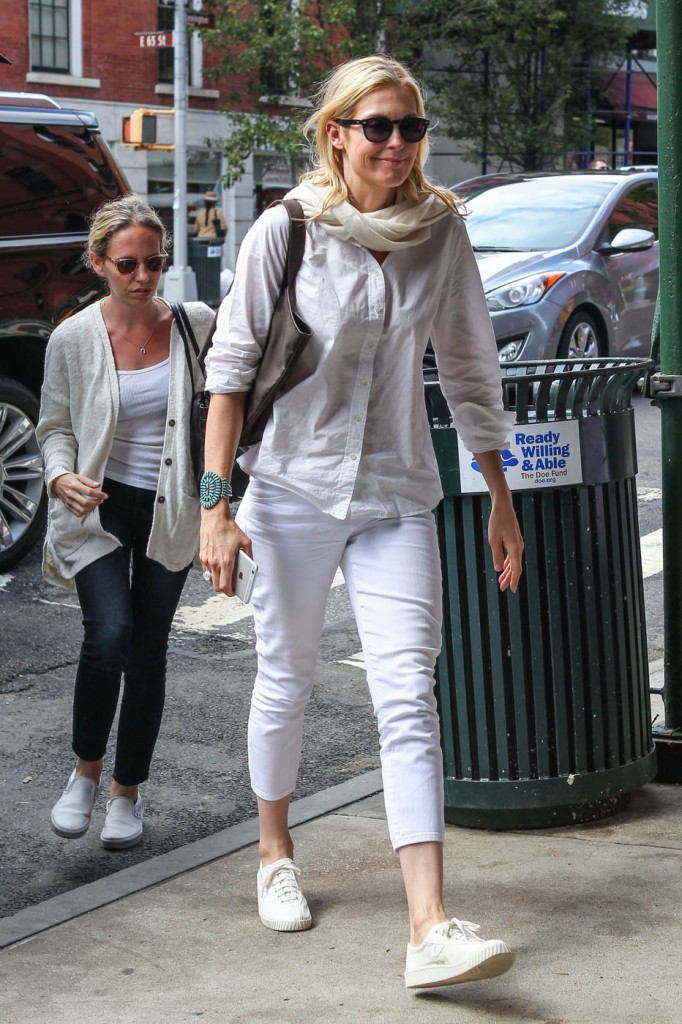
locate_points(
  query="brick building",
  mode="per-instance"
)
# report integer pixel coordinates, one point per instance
(84, 54)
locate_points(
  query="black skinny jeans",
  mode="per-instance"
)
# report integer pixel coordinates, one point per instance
(128, 603)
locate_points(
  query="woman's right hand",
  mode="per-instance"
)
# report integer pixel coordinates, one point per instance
(220, 543)
(79, 493)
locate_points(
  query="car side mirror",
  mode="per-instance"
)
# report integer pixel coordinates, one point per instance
(628, 240)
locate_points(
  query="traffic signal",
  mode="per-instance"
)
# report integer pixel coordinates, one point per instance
(139, 129)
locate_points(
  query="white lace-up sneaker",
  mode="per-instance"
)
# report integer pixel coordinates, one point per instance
(70, 817)
(123, 824)
(451, 953)
(281, 904)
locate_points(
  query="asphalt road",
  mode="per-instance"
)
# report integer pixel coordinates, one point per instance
(199, 781)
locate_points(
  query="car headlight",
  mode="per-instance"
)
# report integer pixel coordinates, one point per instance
(521, 293)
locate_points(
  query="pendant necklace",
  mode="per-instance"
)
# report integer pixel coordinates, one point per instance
(143, 349)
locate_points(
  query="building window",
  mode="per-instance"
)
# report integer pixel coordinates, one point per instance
(50, 35)
(164, 58)
(273, 80)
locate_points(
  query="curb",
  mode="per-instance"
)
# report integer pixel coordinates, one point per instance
(28, 923)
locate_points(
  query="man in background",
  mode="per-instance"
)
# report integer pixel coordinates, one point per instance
(210, 222)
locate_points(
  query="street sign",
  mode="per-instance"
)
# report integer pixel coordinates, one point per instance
(200, 19)
(154, 40)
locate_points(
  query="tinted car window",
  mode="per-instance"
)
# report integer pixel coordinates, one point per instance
(637, 209)
(532, 215)
(51, 178)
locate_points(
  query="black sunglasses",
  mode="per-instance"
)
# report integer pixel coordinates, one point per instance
(379, 129)
(127, 265)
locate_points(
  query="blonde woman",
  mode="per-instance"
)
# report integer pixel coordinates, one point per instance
(124, 512)
(346, 476)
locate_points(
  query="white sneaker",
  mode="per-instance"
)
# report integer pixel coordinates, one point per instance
(70, 816)
(451, 953)
(123, 825)
(281, 904)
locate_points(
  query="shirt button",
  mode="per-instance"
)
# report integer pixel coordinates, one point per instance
(171, 423)
(354, 458)
(161, 499)
(364, 382)
(372, 345)
(169, 462)
(378, 308)
(358, 419)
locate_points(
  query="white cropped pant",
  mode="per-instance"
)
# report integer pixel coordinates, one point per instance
(393, 575)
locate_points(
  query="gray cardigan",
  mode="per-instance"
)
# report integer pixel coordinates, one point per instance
(78, 414)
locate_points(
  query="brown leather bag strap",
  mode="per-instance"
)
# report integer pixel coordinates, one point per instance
(296, 244)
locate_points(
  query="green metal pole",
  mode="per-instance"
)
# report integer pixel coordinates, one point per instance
(669, 44)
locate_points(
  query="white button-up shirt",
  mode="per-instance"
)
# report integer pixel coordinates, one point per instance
(354, 438)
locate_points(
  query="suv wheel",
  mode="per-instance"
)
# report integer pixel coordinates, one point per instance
(23, 500)
(580, 338)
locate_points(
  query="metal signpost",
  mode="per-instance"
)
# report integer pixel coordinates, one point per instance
(180, 282)
(669, 37)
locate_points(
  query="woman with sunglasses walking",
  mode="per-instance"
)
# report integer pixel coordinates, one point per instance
(345, 475)
(123, 523)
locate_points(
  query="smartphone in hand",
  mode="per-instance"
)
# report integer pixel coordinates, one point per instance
(246, 575)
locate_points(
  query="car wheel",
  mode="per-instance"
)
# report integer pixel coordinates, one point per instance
(23, 500)
(580, 338)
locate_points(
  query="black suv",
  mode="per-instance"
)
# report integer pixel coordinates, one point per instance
(55, 168)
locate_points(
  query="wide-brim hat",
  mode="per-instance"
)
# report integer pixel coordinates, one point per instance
(211, 196)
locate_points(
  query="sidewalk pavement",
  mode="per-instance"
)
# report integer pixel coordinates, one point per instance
(593, 913)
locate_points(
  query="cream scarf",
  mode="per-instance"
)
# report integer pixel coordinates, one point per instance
(396, 227)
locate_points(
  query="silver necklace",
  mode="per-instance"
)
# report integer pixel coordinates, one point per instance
(143, 348)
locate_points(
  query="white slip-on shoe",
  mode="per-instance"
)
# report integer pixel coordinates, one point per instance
(281, 904)
(451, 953)
(70, 816)
(123, 824)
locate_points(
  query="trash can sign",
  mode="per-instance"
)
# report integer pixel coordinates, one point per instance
(540, 455)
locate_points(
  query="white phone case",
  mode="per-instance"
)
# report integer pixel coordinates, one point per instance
(246, 574)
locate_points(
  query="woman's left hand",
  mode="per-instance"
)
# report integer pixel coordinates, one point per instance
(504, 535)
(506, 542)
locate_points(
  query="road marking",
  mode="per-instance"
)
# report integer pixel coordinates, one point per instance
(219, 610)
(355, 660)
(60, 604)
(652, 553)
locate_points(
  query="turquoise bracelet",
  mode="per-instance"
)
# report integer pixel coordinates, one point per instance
(212, 488)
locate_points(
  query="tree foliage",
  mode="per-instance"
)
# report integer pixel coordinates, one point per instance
(509, 78)
(281, 51)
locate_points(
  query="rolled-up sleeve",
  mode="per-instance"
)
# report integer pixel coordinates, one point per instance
(466, 353)
(245, 312)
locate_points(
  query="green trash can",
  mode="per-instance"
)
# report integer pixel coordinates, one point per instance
(544, 695)
(204, 257)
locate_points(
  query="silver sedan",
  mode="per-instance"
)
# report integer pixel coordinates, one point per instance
(569, 262)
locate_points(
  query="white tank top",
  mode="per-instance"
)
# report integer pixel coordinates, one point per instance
(135, 456)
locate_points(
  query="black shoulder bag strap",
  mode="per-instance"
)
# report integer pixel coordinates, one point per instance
(186, 332)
